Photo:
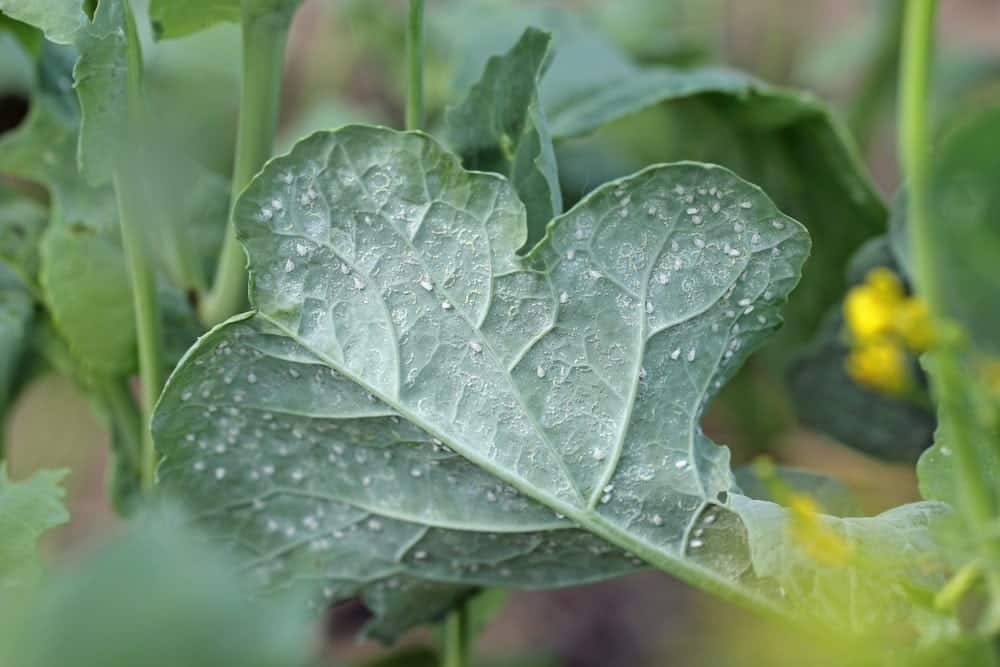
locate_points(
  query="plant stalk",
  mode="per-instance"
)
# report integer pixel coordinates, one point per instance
(914, 146)
(456, 637)
(129, 188)
(264, 38)
(415, 66)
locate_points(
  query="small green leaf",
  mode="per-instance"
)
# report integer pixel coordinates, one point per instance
(415, 410)
(176, 18)
(100, 79)
(86, 289)
(43, 147)
(159, 596)
(60, 20)
(499, 127)
(27, 509)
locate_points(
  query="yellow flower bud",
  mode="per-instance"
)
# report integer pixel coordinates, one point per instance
(870, 308)
(879, 364)
(886, 283)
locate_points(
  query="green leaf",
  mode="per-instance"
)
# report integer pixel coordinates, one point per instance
(27, 509)
(414, 409)
(499, 127)
(964, 203)
(965, 199)
(60, 20)
(100, 77)
(43, 147)
(176, 18)
(159, 596)
(86, 288)
(895, 546)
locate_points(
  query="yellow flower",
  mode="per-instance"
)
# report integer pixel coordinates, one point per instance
(879, 364)
(817, 539)
(870, 308)
(884, 325)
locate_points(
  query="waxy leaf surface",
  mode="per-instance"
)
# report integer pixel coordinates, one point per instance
(414, 409)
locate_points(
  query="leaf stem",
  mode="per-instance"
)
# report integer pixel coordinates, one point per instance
(415, 66)
(129, 186)
(456, 637)
(914, 146)
(264, 38)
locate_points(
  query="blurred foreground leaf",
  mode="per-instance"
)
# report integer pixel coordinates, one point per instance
(158, 596)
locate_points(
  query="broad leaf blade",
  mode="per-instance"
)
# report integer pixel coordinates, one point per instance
(60, 20)
(413, 406)
(500, 127)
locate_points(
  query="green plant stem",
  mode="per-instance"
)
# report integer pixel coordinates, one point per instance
(264, 37)
(129, 186)
(914, 143)
(415, 66)
(456, 637)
